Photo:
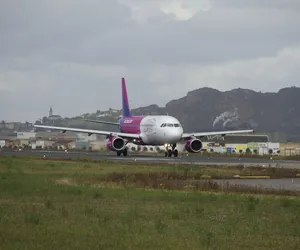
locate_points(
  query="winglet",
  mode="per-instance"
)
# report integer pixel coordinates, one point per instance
(125, 103)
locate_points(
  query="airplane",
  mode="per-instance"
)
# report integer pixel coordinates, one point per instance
(150, 130)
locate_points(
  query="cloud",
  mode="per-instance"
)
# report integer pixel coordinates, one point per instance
(72, 54)
(261, 74)
(259, 4)
(143, 11)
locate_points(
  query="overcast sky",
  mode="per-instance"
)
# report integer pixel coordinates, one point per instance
(71, 54)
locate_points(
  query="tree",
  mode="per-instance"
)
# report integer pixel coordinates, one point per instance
(248, 151)
(270, 151)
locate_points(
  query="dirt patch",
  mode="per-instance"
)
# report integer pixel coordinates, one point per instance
(6, 201)
(66, 181)
(183, 181)
(176, 181)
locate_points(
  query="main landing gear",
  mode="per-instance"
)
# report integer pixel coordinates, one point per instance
(124, 152)
(173, 151)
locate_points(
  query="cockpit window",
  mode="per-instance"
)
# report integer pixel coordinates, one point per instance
(176, 125)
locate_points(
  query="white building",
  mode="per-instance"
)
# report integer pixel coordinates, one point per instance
(86, 137)
(25, 135)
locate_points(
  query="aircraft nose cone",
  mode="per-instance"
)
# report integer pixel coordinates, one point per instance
(174, 136)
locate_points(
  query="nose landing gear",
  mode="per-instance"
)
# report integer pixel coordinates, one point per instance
(170, 152)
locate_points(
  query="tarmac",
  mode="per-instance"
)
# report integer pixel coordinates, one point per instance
(287, 184)
(153, 158)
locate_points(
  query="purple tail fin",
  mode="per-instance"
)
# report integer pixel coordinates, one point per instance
(125, 104)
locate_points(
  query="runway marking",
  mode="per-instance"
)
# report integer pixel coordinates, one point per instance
(253, 177)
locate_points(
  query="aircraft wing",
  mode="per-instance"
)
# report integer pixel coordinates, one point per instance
(91, 131)
(104, 122)
(223, 133)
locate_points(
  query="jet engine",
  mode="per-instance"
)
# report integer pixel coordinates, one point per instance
(193, 145)
(116, 143)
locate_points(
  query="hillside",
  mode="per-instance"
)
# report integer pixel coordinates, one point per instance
(207, 109)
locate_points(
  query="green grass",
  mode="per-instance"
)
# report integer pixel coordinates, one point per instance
(43, 205)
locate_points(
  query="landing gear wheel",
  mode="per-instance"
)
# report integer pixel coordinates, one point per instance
(124, 151)
(170, 152)
(175, 153)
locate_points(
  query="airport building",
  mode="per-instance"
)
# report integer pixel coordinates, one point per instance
(230, 144)
(242, 144)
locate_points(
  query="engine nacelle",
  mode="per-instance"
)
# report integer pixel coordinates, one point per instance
(193, 145)
(116, 143)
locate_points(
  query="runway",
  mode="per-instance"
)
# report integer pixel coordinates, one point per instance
(195, 160)
(280, 184)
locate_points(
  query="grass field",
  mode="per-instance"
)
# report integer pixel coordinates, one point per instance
(78, 205)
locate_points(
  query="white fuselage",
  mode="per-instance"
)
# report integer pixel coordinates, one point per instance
(160, 130)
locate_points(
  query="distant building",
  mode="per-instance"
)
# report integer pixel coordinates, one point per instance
(237, 139)
(64, 144)
(25, 135)
(53, 117)
(50, 112)
(86, 137)
(8, 136)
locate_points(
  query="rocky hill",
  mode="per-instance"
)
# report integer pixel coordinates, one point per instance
(208, 108)
(204, 109)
